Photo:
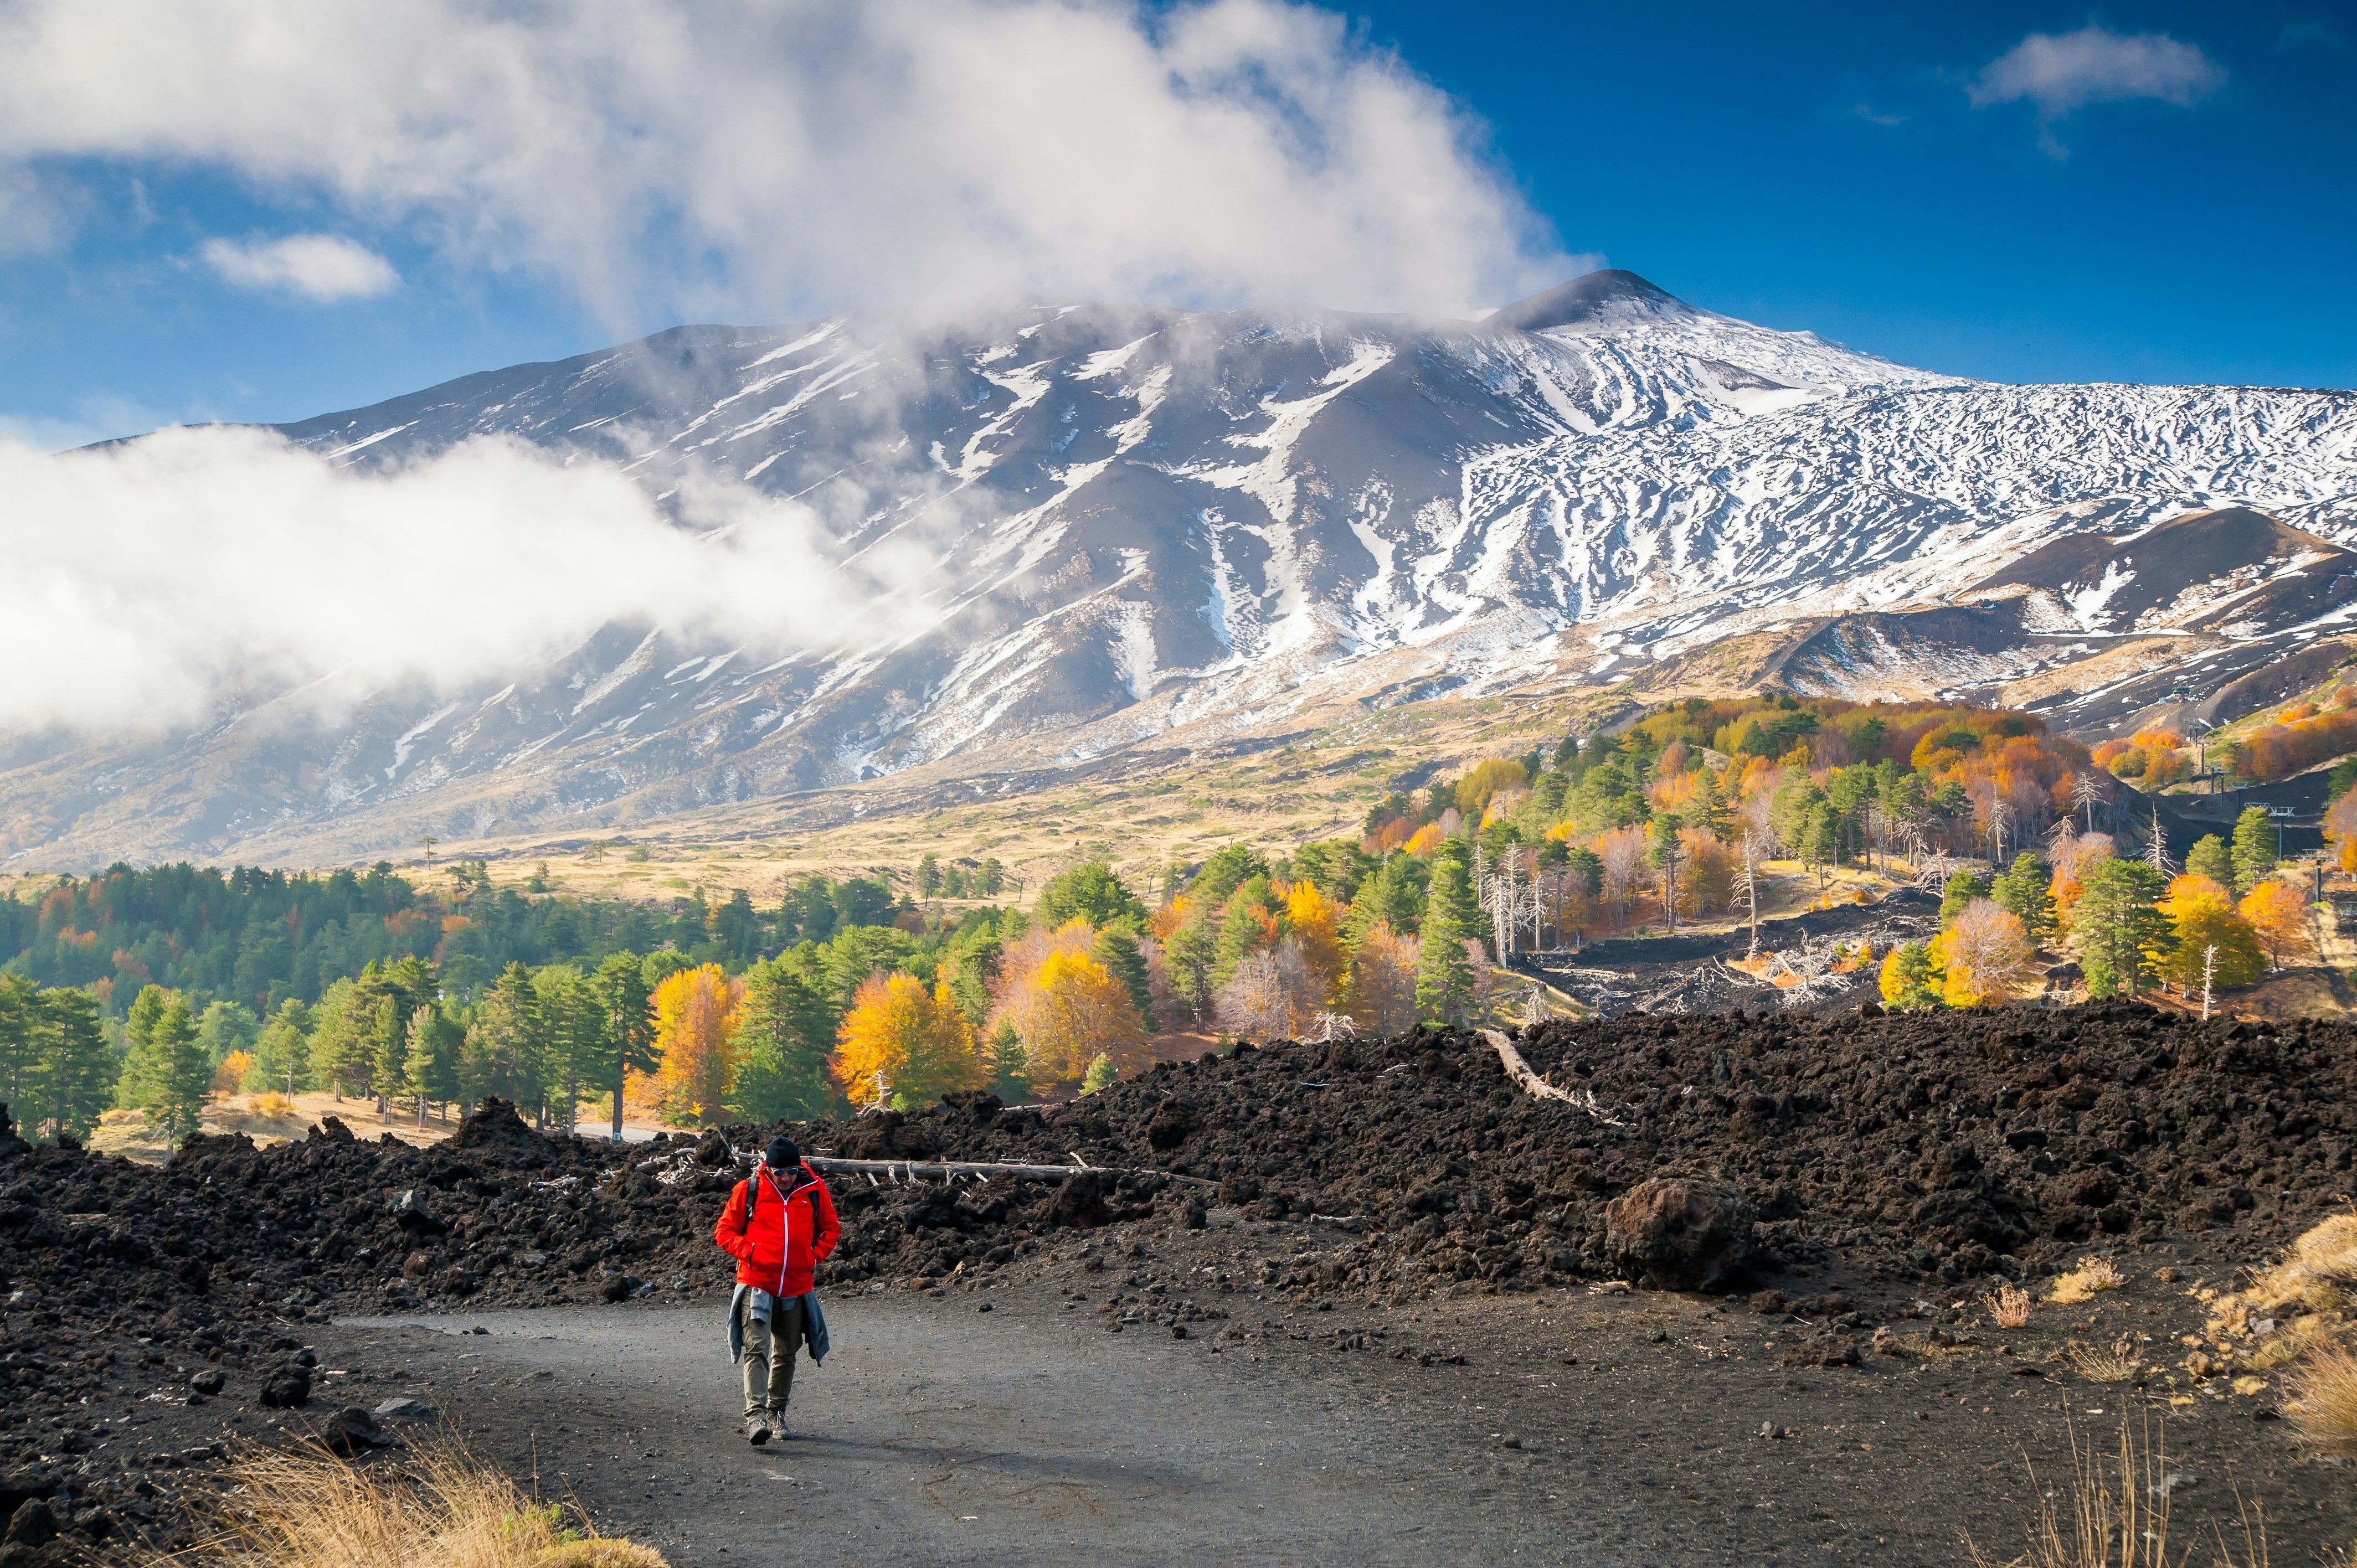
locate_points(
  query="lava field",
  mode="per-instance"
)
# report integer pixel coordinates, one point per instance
(1903, 1150)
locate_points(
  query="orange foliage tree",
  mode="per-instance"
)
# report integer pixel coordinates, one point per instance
(695, 1037)
(915, 1036)
(2340, 827)
(2278, 912)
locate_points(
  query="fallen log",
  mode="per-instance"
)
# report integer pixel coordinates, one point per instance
(983, 1170)
(1519, 1073)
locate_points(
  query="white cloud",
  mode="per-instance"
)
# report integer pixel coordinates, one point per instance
(321, 267)
(2060, 72)
(151, 582)
(775, 157)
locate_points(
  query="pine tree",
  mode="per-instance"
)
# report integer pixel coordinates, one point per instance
(20, 1053)
(185, 1077)
(627, 1032)
(1452, 915)
(1116, 949)
(1010, 1066)
(430, 1065)
(141, 1082)
(2025, 892)
(2253, 850)
(77, 1064)
(785, 1034)
(2212, 859)
(2118, 929)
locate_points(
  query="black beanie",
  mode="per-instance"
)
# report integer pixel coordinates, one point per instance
(783, 1154)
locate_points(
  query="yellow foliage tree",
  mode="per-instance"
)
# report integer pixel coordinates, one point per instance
(2278, 912)
(695, 1036)
(1316, 924)
(230, 1075)
(1070, 1012)
(917, 1038)
(2214, 945)
(1984, 954)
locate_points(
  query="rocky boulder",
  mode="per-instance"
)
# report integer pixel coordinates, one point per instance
(1678, 1233)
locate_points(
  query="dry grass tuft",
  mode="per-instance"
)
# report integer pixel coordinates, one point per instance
(2330, 1251)
(2099, 1275)
(2117, 1513)
(269, 1107)
(441, 1510)
(2116, 1365)
(2008, 1307)
(2323, 1406)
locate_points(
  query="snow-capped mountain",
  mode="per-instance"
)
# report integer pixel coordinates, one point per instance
(1147, 520)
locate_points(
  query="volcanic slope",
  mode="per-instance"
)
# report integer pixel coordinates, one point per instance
(1155, 525)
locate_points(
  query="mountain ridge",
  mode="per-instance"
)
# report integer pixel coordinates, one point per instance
(1159, 527)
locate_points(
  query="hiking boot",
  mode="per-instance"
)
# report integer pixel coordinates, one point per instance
(777, 1426)
(756, 1430)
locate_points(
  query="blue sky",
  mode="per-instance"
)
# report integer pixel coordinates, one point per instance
(2157, 193)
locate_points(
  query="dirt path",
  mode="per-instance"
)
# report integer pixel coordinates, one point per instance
(937, 1433)
(1577, 1429)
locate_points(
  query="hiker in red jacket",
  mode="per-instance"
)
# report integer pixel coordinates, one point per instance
(779, 1224)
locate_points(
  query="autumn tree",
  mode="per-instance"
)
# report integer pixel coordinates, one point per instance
(1910, 977)
(2278, 911)
(1984, 954)
(1313, 924)
(1070, 1011)
(1382, 997)
(2201, 917)
(1622, 853)
(695, 1015)
(912, 1036)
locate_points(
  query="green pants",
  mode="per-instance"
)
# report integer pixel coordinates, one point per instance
(769, 1358)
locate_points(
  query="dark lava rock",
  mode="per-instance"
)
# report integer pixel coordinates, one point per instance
(208, 1382)
(354, 1432)
(33, 1524)
(412, 1214)
(1675, 1233)
(285, 1390)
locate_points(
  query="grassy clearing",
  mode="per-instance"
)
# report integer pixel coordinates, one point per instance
(440, 1509)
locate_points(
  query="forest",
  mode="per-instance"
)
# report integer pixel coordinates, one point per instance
(150, 988)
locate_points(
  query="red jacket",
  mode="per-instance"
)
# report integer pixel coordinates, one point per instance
(792, 1229)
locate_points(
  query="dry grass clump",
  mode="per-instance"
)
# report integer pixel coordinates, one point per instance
(2323, 1406)
(2009, 1306)
(2080, 1284)
(2117, 1513)
(2097, 1365)
(441, 1510)
(271, 1107)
